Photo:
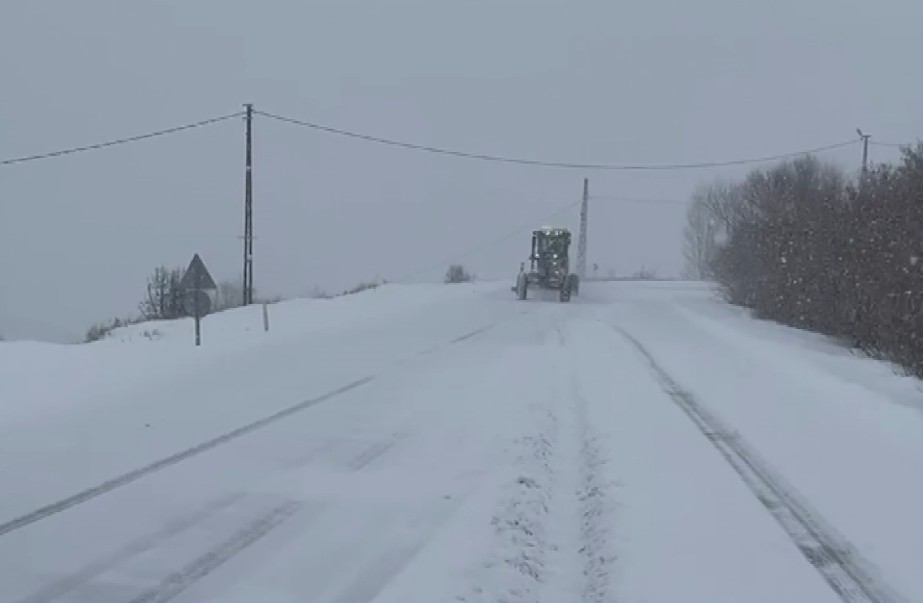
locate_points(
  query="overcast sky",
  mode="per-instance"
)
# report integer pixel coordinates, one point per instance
(614, 82)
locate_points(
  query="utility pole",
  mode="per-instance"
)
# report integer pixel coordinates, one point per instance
(581, 243)
(248, 211)
(865, 151)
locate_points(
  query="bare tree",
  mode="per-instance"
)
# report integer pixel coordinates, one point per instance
(722, 200)
(714, 209)
(698, 241)
(164, 299)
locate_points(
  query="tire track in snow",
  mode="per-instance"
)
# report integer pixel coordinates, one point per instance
(847, 573)
(591, 494)
(593, 508)
(131, 476)
(374, 451)
(176, 583)
(136, 474)
(550, 528)
(374, 574)
(516, 570)
(523, 524)
(473, 333)
(59, 588)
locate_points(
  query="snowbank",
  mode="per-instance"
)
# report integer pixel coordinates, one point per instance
(36, 378)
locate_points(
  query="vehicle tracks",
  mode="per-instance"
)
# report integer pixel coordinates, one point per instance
(550, 536)
(177, 582)
(60, 588)
(843, 568)
(127, 478)
(592, 493)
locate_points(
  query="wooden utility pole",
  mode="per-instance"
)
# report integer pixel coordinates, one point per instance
(248, 211)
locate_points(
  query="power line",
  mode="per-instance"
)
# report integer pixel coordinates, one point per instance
(891, 144)
(619, 199)
(437, 150)
(540, 163)
(110, 143)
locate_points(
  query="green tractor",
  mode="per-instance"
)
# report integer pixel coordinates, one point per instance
(549, 265)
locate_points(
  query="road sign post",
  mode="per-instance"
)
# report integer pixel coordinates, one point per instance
(195, 295)
(196, 281)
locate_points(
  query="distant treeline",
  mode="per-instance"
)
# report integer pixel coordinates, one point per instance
(804, 244)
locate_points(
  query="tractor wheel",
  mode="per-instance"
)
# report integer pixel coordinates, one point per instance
(573, 282)
(522, 286)
(565, 292)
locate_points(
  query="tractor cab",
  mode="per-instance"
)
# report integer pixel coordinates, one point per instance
(550, 244)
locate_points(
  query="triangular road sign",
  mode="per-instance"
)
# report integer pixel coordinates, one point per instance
(197, 271)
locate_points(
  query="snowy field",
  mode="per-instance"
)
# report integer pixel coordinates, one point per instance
(644, 443)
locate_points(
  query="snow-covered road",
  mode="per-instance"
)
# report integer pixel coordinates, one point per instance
(448, 443)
